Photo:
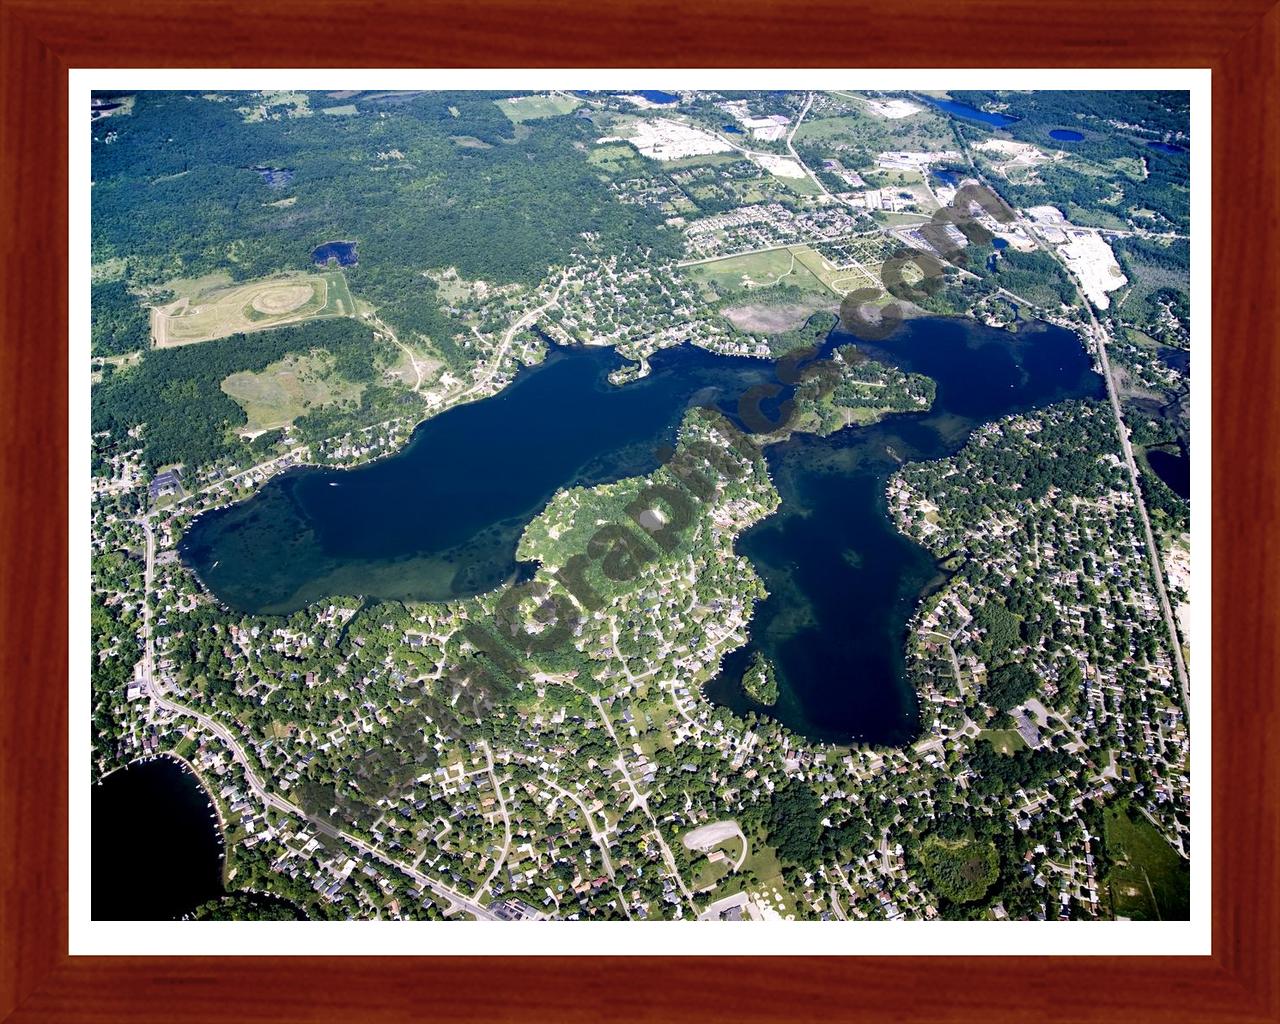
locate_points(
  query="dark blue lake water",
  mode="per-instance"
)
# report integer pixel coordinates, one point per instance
(441, 518)
(843, 582)
(1164, 147)
(1174, 468)
(1175, 358)
(731, 128)
(972, 113)
(155, 847)
(1065, 135)
(654, 96)
(947, 176)
(343, 252)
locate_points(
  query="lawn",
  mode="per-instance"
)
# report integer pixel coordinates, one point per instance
(706, 874)
(530, 108)
(1005, 741)
(1149, 880)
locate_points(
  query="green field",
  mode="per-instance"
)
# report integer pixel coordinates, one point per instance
(837, 279)
(1149, 880)
(925, 130)
(757, 270)
(705, 874)
(1005, 741)
(616, 158)
(202, 313)
(530, 108)
(287, 389)
(701, 160)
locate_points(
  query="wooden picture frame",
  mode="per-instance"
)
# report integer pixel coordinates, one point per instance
(41, 39)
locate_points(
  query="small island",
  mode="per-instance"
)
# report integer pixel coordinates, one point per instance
(760, 681)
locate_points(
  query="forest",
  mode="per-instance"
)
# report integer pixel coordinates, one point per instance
(176, 392)
(1163, 188)
(176, 192)
(119, 322)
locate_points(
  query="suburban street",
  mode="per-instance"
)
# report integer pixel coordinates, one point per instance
(1098, 334)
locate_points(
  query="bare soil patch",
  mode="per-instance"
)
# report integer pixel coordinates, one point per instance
(774, 319)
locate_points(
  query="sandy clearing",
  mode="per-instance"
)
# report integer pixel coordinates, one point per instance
(284, 299)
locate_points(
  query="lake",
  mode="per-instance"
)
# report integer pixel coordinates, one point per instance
(1065, 135)
(1175, 358)
(1164, 147)
(156, 850)
(654, 96)
(441, 518)
(972, 113)
(1174, 468)
(842, 581)
(343, 252)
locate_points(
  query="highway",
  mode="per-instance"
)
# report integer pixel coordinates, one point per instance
(1098, 334)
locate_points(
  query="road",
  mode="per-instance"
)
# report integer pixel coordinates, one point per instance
(527, 319)
(391, 336)
(148, 584)
(1098, 335)
(506, 821)
(455, 899)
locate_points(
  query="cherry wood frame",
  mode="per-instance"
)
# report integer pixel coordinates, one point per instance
(41, 39)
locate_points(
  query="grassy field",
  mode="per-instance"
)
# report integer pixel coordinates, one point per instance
(288, 389)
(530, 108)
(212, 308)
(805, 186)
(836, 279)
(705, 874)
(1148, 881)
(1005, 741)
(925, 130)
(758, 270)
(615, 158)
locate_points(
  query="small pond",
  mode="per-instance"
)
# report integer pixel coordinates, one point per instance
(343, 252)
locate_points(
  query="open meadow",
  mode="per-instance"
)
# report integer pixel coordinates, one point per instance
(287, 389)
(531, 108)
(1148, 881)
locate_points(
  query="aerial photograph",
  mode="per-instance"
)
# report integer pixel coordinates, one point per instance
(606, 505)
